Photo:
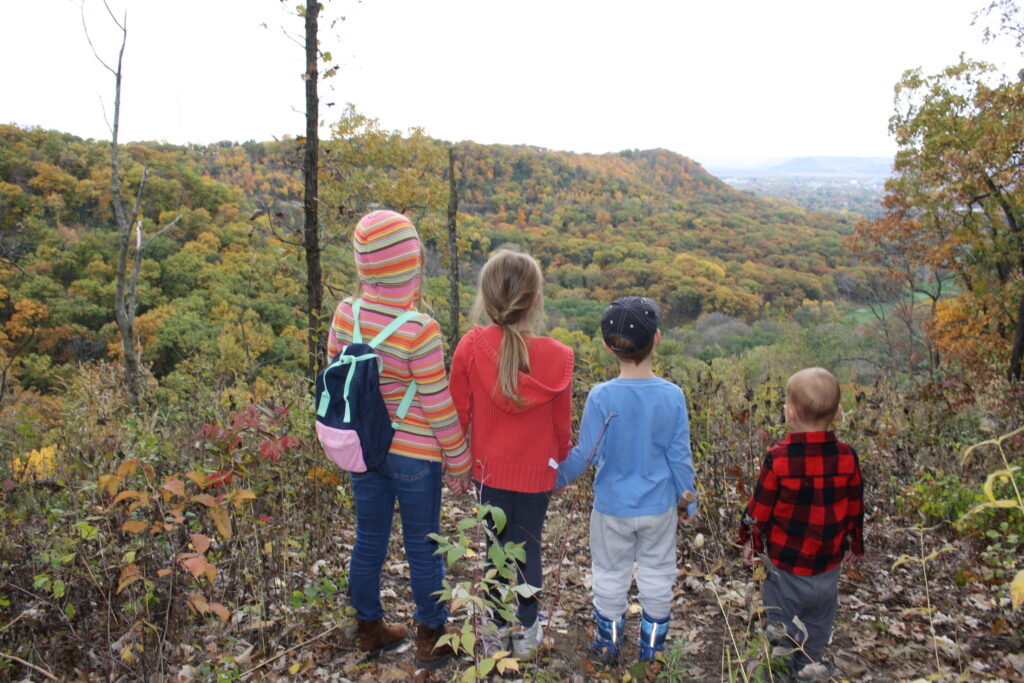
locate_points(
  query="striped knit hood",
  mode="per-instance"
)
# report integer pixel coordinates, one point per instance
(388, 258)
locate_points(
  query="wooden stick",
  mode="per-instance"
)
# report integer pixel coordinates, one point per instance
(35, 668)
(291, 649)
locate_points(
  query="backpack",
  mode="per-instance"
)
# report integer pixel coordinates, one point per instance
(352, 420)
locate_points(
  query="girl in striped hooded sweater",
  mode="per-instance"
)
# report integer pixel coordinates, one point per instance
(428, 442)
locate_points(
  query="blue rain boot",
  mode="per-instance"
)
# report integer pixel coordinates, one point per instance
(652, 635)
(607, 636)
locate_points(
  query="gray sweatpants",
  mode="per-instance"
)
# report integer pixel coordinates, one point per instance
(811, 598)
(615, 544)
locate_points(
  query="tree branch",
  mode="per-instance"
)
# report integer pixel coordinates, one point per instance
(89, 40)
(138, 197)
(159, 232)
(19, 660)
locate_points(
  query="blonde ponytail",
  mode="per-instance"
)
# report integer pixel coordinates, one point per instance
(510, 294)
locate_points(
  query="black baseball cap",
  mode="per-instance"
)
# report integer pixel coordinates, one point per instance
(633, 318)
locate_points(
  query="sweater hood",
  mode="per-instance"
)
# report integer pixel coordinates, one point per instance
(551, 365)
(388, 258)
(790, 459)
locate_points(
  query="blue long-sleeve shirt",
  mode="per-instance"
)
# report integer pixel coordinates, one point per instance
(643, 459)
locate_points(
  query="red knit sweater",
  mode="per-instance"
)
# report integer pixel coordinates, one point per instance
(512, 446)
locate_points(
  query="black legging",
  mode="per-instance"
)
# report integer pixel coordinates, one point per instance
(524, 523)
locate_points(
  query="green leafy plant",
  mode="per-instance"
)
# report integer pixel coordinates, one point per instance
(1007, 497)
(489, 594)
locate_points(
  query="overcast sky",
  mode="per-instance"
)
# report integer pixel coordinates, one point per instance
(719, 80)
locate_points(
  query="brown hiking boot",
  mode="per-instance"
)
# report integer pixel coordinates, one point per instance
(374, 637)
(428, 654)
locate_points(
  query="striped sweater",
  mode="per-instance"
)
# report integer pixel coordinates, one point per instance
(431, 429)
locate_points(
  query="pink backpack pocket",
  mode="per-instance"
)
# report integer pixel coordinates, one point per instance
(342, 447)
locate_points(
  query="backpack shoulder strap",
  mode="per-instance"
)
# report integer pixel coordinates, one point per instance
(403, 407)
(391, 328)
(410, 391)
(357, 332)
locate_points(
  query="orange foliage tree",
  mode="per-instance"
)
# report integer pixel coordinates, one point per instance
(955, 204)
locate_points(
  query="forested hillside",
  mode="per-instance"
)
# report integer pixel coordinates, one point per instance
(225, 281)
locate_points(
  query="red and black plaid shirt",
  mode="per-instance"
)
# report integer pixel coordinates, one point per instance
(808, 505)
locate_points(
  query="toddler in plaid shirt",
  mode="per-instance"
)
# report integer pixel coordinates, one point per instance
(807, 517)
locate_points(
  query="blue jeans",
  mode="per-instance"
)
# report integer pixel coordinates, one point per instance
(416, 484)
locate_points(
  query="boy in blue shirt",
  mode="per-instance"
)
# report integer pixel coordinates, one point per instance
(635, 430)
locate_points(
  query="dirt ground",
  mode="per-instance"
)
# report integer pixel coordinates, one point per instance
(914, 608)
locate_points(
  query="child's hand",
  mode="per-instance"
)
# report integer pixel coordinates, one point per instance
(750, 557)
(685, 518)
(848, 556)
(458, 484)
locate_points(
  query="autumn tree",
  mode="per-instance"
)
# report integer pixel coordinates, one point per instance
(955, 203)
(366, 167)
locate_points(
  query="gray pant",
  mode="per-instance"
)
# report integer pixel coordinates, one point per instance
(812, 599)
(615, 544)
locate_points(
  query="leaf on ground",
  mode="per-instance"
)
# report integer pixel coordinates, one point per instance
(175, 486)
(129, 575)
(239, 497)
(197, 478)
(200, 542)
(130, 493)
(222, 520)
(110, 483)
(220, 610)
(1017, 589)
(195, 564)
(134, 526)
(128, 467)
(204, 499)
(197, 603)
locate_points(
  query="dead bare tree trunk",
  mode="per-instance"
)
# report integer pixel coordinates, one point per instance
(453, 255)
(311, 228)
(125, 300)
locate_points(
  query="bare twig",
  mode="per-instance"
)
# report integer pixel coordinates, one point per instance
(96, 54)
(43, 600)
(289, 650)
(29, 665)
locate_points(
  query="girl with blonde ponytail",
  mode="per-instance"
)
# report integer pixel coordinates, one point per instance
(513, 393)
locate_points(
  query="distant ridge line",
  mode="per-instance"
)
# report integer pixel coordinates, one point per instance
(819, 166)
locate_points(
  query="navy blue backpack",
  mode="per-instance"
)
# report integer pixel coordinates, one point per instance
(352, 420)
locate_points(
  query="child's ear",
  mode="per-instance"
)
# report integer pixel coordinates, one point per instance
(608, 348)
(657, 338)
(839, 411)
(787, 412)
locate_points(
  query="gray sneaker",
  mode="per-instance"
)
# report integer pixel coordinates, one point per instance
(525, 641)
(814, 673)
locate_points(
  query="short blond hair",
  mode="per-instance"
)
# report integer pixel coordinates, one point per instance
(813, 395)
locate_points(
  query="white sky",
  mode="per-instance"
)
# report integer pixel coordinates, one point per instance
(712, 79)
